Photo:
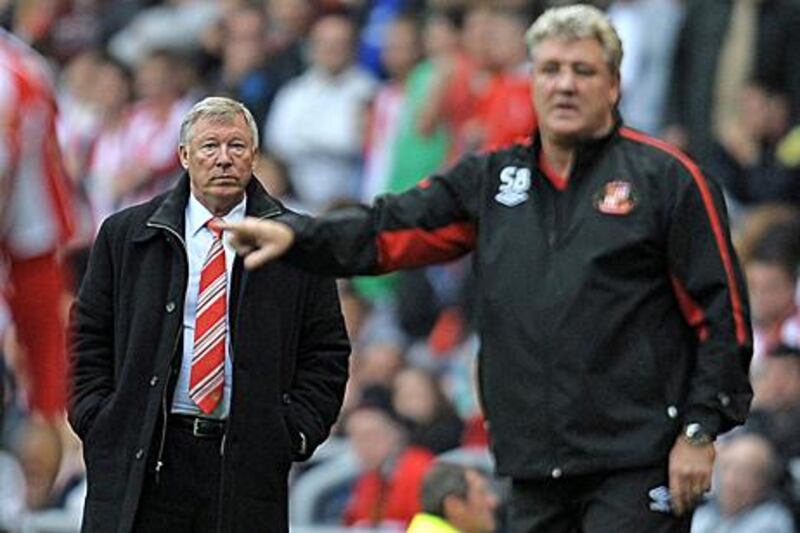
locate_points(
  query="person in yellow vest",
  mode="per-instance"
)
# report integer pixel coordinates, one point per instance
(455, 499)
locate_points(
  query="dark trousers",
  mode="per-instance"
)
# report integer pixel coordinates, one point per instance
(185, 496)
(619, 501)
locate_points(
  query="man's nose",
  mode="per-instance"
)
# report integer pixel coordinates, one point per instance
(566, 80)
(224, 158)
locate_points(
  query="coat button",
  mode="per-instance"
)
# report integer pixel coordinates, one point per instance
(286, 399)
(556, 473)
(153, 381)
(139, 454)
(724, 399)
(672, 411)
(170, 307)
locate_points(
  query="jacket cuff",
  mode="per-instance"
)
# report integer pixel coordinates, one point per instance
(709, 419)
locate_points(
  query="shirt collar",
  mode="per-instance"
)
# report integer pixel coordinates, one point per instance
(197, 215)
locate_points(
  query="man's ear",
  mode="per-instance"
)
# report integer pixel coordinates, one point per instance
(183, 155)
(453, 507)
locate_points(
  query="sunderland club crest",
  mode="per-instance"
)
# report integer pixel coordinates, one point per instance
(616, 198)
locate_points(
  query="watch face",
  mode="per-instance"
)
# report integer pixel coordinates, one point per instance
(695, 434)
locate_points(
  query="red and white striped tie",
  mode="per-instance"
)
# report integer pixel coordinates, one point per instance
(207, 376)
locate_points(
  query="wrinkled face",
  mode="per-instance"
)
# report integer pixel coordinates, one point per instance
(219, 158)
(772, 292)
(475, 514)
(574, 90)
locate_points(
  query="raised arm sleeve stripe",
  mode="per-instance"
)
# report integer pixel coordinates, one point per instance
(716, 226)
(416, 247)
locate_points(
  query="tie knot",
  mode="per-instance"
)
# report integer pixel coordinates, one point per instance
(214, 225)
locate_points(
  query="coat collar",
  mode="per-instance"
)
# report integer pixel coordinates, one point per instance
(169, 215)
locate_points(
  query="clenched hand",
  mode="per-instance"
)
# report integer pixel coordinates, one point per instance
(259, 241)
(690, 469)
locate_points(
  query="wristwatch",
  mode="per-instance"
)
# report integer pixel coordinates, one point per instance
(696, 435)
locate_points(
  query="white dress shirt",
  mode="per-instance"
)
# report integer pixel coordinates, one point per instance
(198, 241)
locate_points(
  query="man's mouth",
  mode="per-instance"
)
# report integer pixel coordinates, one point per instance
(565, 106)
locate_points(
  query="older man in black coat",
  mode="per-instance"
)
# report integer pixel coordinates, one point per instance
(161, 455)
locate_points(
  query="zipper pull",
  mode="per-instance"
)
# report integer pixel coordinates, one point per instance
(159, 465)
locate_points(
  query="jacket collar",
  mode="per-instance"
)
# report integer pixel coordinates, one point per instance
(586, 150)
(169, 215)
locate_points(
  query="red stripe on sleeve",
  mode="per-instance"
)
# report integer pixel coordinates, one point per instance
(716, 225)
(692, 312)
(415, 247)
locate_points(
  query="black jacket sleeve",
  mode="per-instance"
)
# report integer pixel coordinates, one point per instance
(92, 338)
(710, 289)
(431, 223)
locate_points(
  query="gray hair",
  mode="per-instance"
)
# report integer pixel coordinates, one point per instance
(575, 22)
(216, 108)
(441, 481)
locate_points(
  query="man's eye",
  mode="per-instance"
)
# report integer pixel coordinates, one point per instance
(584, 70)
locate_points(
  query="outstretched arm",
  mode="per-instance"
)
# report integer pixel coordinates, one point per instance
(431, 223)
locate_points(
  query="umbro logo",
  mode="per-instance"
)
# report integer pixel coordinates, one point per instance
(514, 185)
(660, 499)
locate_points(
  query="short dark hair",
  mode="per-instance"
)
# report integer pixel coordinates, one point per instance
(441, 481)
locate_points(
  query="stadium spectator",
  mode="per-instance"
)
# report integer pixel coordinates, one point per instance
(387, 491)
(772, 274)
(504, 112)
(759, 160)
(316, 123)
(776, 403)
(399, 55)
(242, 74)
(721, 45)
(748, 475)
(418, 397)
(152, 130)
(649, 29)
(455, 499)
(36, 220)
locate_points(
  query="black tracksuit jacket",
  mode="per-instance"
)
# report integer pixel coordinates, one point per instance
(611, 308)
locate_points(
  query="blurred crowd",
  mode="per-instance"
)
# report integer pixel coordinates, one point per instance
(357, 98)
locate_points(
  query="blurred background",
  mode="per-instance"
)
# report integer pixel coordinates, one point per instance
(357, 98)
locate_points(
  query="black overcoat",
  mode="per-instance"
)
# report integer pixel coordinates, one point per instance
(290, 353)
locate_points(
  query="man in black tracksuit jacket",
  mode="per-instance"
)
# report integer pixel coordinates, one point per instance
(615, 337)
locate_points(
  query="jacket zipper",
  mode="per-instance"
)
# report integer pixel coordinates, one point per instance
(164, 410)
